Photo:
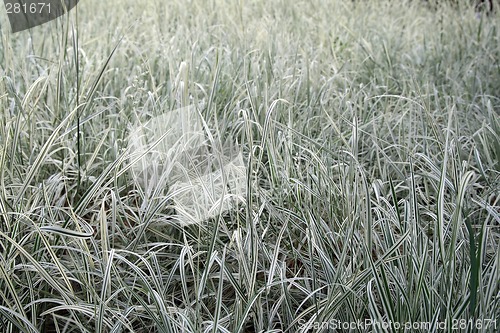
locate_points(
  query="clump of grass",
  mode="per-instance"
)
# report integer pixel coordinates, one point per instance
(371, 148)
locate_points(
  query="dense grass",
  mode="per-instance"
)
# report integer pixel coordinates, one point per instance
(371, 137)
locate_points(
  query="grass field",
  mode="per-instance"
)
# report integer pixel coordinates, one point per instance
(370, 137)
